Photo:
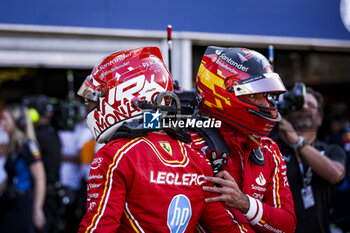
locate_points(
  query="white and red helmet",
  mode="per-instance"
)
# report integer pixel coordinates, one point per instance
(118, 80)
(225, 76)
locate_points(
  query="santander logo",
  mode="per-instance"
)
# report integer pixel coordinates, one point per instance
(260, 180)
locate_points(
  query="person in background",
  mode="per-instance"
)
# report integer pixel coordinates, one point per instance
(4, 140)
(25, 191)
(237, 86)
(73, 137)
(339, 133)
(70, 173)
(41, 111)
(143, 180)
(314, 168)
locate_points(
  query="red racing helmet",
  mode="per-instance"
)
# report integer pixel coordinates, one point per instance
(225, 76)
(114, 83)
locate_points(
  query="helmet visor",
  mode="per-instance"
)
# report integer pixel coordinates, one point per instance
(269, 82)
(88, 90)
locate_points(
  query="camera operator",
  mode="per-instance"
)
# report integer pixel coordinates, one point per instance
(313, 167)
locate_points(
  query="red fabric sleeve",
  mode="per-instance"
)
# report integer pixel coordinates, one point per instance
(106, 193)
(277, 205)
(215, 218)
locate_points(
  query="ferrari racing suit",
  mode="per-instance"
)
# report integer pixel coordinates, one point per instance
(271, 202)
(152, 184)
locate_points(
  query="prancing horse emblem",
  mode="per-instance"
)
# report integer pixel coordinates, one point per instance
(166, 146)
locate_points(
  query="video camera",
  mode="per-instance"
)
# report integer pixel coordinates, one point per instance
(293, 99)
(67, 114)
(63, 114)
(189, 102)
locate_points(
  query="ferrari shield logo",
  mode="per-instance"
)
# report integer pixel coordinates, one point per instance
(166, 146)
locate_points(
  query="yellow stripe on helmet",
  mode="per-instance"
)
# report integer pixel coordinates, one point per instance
(211, 80)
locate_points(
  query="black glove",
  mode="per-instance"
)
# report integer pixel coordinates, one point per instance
(217, 161)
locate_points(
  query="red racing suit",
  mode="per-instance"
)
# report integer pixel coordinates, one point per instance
(151, 184)
(271, 201)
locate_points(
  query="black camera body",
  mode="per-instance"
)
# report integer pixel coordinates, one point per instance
(189, 102)
(292, 100)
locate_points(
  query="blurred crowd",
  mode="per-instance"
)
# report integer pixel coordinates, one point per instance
(45, 156)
